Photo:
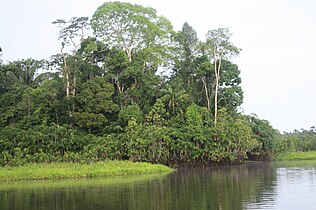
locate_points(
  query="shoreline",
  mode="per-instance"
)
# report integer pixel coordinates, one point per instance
(65, 170)
(53, 171)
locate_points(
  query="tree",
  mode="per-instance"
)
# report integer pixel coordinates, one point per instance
(138, 40)
(95, 104)
(134, 83)
(27, 72)
(173, 98)
(128, 113)
(157, 114)
(72, 34)
(219, 48)
(47, 102)
(131, 27)
(93, 51)
(230, 94)
(187, 39)
(264, 133)
(204, 76)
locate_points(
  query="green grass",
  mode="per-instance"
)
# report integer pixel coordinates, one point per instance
(289, 156)
(72, 170)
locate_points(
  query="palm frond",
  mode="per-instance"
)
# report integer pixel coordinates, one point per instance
(44, 76)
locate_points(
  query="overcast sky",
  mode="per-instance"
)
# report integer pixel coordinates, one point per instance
(277, 37)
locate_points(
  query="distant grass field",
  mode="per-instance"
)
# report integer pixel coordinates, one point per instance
(72, 170)
(309, 155)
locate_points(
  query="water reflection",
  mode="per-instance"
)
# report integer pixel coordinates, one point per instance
(109, 193)
(222, 188)
(252, 186)
(235, 187)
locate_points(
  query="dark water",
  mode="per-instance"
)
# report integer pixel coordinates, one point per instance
(253, 186)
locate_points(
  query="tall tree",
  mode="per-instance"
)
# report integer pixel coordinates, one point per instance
(72, 33)
(138, 41)
(204, 77)
(188, 41)
(131, 27)
(219, 47)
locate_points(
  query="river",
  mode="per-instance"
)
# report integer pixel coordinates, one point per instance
(281, 185)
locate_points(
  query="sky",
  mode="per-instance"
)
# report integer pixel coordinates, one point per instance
(277, 38)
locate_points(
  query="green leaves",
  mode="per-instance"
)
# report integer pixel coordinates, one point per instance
(130, 27)
(89, 120)
(157, 116)
(27, 72)
(264, 133)
(96, 96)
(172, 98)
(95, 102)
(194, 116)
(130, 112)
(218, 44)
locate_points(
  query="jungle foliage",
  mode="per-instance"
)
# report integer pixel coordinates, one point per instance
(105, 96)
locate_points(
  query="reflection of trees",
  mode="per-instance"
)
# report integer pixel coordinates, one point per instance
(265, 192)
(108, 193)
(222, 188)
(208, 188)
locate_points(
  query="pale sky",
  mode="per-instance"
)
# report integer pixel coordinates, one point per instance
(277, 38)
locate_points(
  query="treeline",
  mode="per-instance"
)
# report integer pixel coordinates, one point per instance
(134, 89)
(299, 141)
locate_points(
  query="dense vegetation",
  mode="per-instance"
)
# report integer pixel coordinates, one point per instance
(300, 141)
(135, 90)
(297, 145)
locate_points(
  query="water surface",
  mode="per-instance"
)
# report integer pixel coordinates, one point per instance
(253, 186)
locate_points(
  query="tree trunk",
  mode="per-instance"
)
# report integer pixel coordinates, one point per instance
(65, 71)
(217, 70)
(128, 51)
(215, 98)
(67, 82)
(207, 95)
(74, 92)
(129, 54)
(74, 87)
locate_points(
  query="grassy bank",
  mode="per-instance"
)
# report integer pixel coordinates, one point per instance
(309, 155)
(71, 170)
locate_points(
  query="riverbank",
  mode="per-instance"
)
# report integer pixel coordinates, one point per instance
(73, 170)
(288, 156)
